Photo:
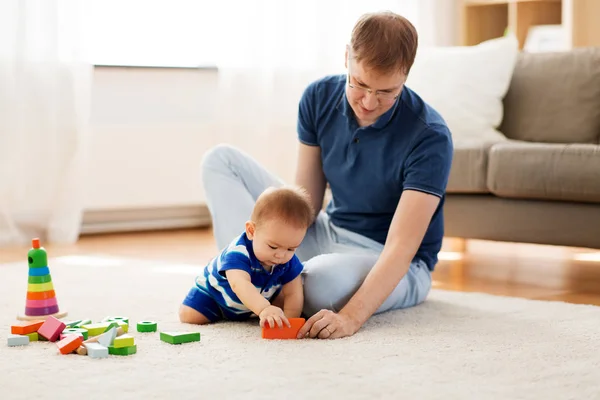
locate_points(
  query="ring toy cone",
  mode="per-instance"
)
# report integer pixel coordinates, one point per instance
(41, 300)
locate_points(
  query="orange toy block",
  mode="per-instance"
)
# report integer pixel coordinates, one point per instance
(27, 327)
(285, 332)
(69, 344)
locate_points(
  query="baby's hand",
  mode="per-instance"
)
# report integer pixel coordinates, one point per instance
(273, 315)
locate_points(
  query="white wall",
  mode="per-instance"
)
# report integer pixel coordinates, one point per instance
(152, 125)
(150, 128)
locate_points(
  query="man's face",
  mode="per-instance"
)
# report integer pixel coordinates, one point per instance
(370, 93)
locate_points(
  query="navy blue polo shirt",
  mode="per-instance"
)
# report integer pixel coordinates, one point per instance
(408, 147)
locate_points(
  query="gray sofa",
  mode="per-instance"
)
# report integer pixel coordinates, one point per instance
(541, 183)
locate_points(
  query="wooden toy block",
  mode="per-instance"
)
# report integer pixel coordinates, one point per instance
(26, 327)
(94, 339)
(33, 336)
(71, 324)
(76, 331)
(147, 326)
(116, 319)
(81, 323)
(285, 332)
(95, 350)
(108, 338)
(101, 327)
(51, 329)
(123, 341)
(64, 335)
(124, 326)
(69, 344)
(112, 324)
(17, 340)
(180, 337)
(122, 351)
(81, 350)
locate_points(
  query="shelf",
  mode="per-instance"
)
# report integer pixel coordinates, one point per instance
(488, 19)
(505, 2)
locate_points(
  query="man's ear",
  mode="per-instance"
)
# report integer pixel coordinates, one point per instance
(250, 229)
(346, 58)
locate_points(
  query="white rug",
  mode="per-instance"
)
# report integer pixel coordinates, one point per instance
(455, 346)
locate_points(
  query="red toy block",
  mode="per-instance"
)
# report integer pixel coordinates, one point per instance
(26, 327)
(69, 344)
(51, 329)
(285, 332)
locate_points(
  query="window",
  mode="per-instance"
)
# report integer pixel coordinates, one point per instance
(152, 33)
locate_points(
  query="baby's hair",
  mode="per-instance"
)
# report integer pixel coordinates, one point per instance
(290, 204)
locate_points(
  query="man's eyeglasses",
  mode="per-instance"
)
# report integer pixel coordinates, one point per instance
(382, 96)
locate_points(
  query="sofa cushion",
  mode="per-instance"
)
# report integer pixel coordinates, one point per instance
(466, 84)
(469, 167)
(544, 171)
(554, 98)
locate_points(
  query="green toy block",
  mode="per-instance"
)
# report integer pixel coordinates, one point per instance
(122, 351)
(39, 279)
(76, 331)
(33, 336)
(123, 341)
(96, 329)
(116, 319)
(81, 323)
(180, 337)
(101, 327)
(71, 324)
(111, 325)
(147, 326)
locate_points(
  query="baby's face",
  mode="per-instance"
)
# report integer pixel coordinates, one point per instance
(275, 242)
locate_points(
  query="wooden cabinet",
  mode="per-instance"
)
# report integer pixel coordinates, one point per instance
(487, 19)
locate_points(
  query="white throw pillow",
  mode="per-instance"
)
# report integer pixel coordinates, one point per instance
(466, 84)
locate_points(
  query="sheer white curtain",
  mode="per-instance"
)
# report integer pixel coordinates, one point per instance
(269, 50)
(44, 107)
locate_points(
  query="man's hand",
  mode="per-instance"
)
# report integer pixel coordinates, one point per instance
(328, 325)
(273, 316)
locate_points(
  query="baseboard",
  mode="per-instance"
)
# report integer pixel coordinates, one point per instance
(144, 219)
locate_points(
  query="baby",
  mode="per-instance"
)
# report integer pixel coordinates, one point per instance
(258, 273)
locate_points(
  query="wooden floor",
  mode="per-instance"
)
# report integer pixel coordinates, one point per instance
(529, 271)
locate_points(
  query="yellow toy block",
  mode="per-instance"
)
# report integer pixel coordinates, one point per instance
(101, 327)
(123, 341)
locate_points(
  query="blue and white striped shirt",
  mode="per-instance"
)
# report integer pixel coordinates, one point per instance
(240, 255)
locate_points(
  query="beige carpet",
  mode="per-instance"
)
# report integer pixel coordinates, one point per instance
(455, 346)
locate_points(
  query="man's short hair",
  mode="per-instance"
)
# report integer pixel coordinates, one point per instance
(385, 42)
(290, 204)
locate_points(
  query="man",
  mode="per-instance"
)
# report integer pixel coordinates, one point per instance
(386, 155)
